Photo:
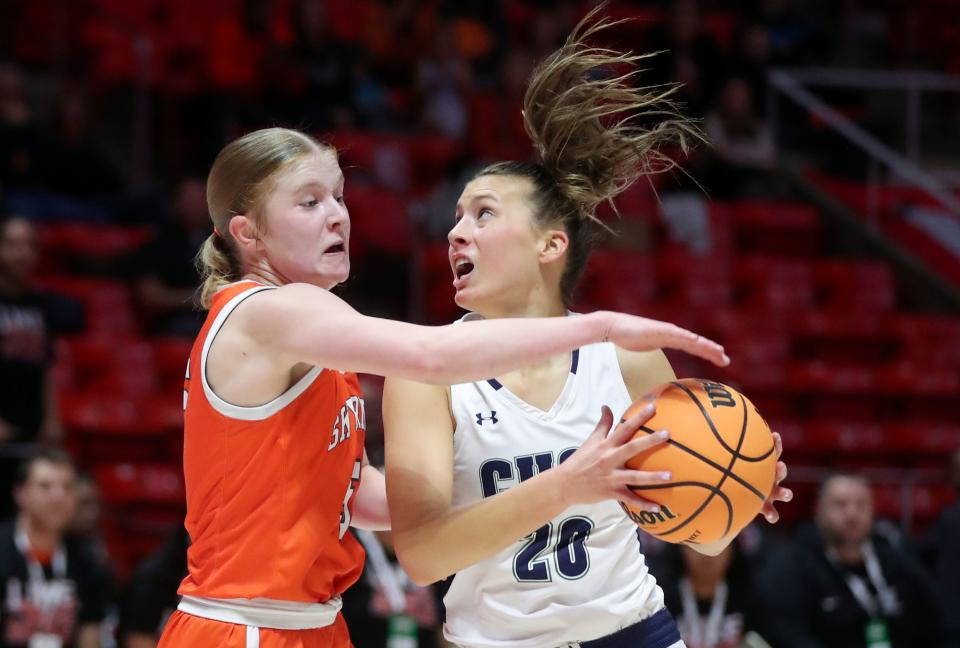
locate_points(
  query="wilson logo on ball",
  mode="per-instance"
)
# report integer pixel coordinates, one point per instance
(648, 517)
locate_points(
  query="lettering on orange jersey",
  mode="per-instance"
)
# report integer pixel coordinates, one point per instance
(345, 514)
(352, 416)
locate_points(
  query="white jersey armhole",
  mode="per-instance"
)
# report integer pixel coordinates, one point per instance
(257, 412)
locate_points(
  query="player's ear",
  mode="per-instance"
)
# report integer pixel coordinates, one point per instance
(553, 244)
(243, 230)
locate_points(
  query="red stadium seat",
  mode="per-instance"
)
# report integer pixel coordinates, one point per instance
(692, 281)
(436, 280)
(106, 302)
(774, 228)
(921, 502)
(618, 280)
(118, 366)
(907, 378)
(170, 357)
(774, 284)
(923, 437)
(141, 505)
(381, 221)
(861, 286)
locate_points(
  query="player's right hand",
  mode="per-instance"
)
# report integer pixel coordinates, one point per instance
(641, 334)
(597, 470)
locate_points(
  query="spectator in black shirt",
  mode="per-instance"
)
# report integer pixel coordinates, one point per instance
(713, 598)
(941, 552)
(842, 586)
(29, 319)
(169, 278)
(151, 595)
(54, 589)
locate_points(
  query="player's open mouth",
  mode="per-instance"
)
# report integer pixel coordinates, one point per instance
(335, 249)
(462, 269)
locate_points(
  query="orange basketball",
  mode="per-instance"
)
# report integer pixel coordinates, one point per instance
(722, 457)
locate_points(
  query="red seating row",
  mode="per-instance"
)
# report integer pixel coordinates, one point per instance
(629, 281)
(107, 304)
(123, 365)
(838, 437)
(142, 504)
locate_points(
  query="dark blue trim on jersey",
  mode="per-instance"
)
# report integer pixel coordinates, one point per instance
(640, 539)
(656, 631)
(574, 362)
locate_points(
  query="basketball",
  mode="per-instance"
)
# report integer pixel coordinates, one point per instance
(722, 456)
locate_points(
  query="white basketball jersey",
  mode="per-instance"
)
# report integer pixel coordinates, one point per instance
(583, 575)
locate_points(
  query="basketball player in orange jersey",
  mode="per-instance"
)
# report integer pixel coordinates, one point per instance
(274, 421)
(479, 474)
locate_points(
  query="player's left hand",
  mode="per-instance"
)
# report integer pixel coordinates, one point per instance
(779, 493)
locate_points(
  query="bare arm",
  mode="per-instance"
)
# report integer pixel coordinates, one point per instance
(303, 323)
(370, 503)
(434, 539)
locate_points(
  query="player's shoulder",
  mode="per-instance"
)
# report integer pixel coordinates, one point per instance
(644, 370)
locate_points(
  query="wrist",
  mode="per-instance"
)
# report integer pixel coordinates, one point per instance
(602, 325)
(557, 488)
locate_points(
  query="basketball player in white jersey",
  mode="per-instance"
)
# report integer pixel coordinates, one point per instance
(479, 474)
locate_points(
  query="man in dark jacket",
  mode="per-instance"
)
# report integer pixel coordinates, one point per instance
(941, 551)
(842, 586)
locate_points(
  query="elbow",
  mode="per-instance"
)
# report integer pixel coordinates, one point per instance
(418, 565)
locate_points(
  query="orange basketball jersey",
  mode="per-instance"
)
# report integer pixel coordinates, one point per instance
(269, 488)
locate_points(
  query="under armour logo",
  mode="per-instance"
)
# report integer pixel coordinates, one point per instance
(492, 418)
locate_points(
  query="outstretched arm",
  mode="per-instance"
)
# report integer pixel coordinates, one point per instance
(305, 324)
(433, 538)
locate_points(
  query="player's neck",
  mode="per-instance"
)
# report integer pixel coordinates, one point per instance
(265, 276)
(533, 303)
(41, 538)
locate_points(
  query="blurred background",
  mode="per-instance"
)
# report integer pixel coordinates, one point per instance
(818, 237)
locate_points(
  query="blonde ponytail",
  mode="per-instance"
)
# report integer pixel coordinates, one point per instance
(218, 267)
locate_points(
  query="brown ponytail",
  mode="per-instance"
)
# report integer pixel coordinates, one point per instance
(242, 176)
(595, 133)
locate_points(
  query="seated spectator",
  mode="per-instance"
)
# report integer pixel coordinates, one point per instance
(151, 595)
(690, 56)
(842, 585)
(86, 519)
(742, 145)
(168, 276)
(385, 608)
(443, 81)
(713, 598)
(54, 588)
(29, 320)
(941, 551)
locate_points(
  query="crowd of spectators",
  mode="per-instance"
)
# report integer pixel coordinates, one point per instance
(110, 113)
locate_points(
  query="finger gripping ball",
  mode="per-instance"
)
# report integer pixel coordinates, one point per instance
(722, 457)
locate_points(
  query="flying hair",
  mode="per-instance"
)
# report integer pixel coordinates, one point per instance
(595, 130)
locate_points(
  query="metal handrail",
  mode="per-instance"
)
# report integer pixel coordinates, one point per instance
(790, 84)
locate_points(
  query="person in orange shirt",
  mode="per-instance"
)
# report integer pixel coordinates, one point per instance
(273, 416)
